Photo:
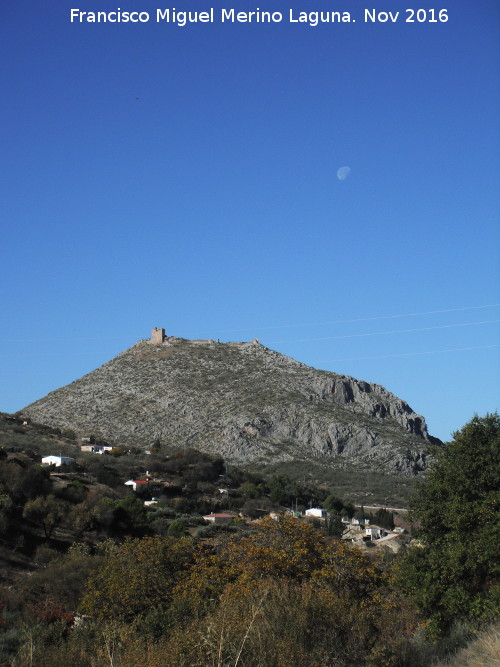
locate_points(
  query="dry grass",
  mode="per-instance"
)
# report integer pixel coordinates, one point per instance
(484, 651)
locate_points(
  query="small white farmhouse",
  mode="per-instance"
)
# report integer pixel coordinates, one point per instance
(360, 522)
(219, 518)
(373, 532)
(57, 461)
(134, 483)
(317, 511)
(96, 449)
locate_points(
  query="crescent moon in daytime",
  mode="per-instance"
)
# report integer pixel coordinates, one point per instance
(343, 173)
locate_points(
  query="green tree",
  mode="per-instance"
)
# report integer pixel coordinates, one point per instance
(282, 491)
(359, 514)
(453, 572)
(130, 516)
(49, 512)
(333, 503)
(249, 491)
(333, 525)
(384, 518)
(348, 510)
(22, 483)
(176, 529)
(62, 579)
(5, 512)
(91, 514)
(156, 446)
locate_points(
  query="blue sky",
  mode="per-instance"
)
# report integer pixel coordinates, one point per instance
(154, 175)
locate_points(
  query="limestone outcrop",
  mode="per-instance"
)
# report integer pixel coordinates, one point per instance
(242, 400)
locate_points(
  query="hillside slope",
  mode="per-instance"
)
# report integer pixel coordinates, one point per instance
(242, 400)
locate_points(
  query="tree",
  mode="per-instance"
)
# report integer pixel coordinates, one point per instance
(130, 516)
(62, 579)
(334, 526)
(284, 595)
(176, 529)
(156, 446)
(255, 508)
(249, 491)
(92, 513)
(5, 512)
(279, 489)
(137, 576)
(333, 503)
(49, 512)
(348, 510)
(24, 484)
(359, 514)
(283, 548)
(453, 572)
(384, 518)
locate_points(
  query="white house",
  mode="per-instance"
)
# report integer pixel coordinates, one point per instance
(96, 449)
(317, 511)
(373, 532)
(57, 461)
(360, 522)
(134, 483)
(219, 518)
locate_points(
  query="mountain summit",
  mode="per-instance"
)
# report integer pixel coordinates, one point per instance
(241, 400)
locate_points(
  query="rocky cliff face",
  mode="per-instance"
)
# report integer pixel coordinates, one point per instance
(241, 400)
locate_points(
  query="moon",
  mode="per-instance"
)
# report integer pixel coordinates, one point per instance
(343, 173)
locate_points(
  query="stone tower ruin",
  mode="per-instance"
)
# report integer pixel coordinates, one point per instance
(157, 336)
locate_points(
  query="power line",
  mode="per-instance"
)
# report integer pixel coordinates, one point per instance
(383, 333)
(65, 338)
(410, 354)
(281, 326)
(363, 319)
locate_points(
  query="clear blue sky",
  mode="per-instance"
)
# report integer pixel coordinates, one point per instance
(186, 177)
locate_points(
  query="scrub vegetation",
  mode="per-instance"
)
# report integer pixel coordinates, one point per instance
(94, 577)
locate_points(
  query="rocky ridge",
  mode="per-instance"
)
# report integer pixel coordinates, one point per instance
(242, 400)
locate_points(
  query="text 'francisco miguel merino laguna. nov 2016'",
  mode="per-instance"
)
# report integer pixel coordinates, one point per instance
(183, 18)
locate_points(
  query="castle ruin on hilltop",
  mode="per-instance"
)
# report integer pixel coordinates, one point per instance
(159, 337)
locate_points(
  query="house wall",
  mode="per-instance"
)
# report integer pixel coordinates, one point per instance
(316, 512)
(57, 460)
(218, 519)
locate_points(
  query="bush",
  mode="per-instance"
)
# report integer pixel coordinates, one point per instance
(176, 529)
(214, 529)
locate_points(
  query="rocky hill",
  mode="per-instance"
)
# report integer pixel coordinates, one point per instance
(242, 400)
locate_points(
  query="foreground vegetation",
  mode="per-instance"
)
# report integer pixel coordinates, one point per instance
(453, 571)
(94, 577)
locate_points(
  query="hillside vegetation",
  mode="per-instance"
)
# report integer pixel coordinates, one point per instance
(97, 577)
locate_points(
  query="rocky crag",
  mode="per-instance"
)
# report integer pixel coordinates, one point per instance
(241, 400)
